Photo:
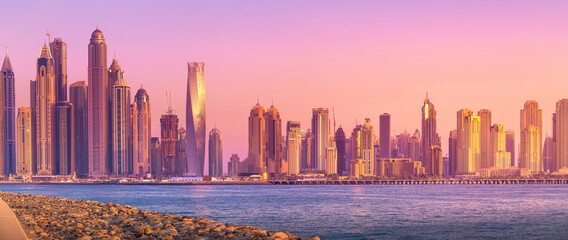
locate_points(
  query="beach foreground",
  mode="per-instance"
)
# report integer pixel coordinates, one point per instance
(60, 218)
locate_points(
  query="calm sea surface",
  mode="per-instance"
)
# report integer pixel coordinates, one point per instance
(352, 212)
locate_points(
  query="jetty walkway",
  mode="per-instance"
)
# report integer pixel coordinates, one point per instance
(10, 227)
(418, 182)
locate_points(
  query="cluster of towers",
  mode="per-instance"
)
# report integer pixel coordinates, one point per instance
(321, 150)
(476, 144)
(99, 131)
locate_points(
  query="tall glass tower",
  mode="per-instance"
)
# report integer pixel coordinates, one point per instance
(195, 118)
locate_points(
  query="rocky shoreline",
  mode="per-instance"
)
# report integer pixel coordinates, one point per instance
(60, 218)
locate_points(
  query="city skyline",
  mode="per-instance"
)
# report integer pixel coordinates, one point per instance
(501, 67)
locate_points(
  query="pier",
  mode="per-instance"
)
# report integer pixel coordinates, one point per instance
(418, 182)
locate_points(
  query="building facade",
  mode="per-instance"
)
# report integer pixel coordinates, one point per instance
(468, 147)
(45, 114)
(78, 98)
(215, 153)
(9, 126)
(430, 137)
(170, 137)
(293, 147)
(141, 133)
(121, 126)
(498, 147)
(384, 136)
(273, 141)
(65, 153)
(24, 142)
(510, 146)
(98, 99)
(560, 137)
(195, 118)
(531, 143)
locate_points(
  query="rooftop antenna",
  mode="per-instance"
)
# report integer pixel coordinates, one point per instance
(169, 102)
(49, 34)
(426, 95)
(257, 100)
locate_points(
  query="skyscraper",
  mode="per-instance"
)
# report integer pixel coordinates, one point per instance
(121, 126)
(510, 145)
(436, 157)
(141, 133)
(468, 128)
(169, 133)
(234, 165)
(255, 162)
(340, 144)
(320, 133)
(215, 153)
(414, 147)
(485, 139)
(9, 126)
(384, 136)
(273, 141)
(561, 135)
(531, 143)
(59, 53)
(453, 155)
(78, 97)
(195, 118)
(24, 142)
(98, 99)
(293, 147)
(331, 158)
(45, 111)
(362, 148)
(498, 148)
(429, 137)
(306, 161)
(33, 96)
(547, 153)
(65, 156)
(402, 142)
(181, 154)
(156, 158)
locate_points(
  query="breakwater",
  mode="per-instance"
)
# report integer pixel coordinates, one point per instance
(60, 218)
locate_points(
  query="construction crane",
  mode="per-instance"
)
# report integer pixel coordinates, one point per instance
(49, 34)
(169, 102)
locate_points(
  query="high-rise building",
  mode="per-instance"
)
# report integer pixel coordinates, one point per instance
(430, 136)
(234, 165)
(402, 144)
(181, 155)
(384, 136)
(340, 144)
(498, 147)
(9, 126)
(531, 137)
(255, 162)
(45, 114)
(33, 96)
(320, 133)
(453, 155)
(468, 128)
(59, 53)
(414, 147)
(560, 126)
(215, 153)
(78, 97)
(24, 131)
(65, 156)
(293, 147)
(273, 141)
(141, 133)
(437, 161)
(156, 158)
(169, 133)
(306, 161)
(547, 153)
(195, 118)
(485, 156)
(98, 99)
(362, 148)
(510, 145)
(331, 159)
(121, 126)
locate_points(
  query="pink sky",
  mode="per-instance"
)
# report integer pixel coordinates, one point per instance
(362, 57)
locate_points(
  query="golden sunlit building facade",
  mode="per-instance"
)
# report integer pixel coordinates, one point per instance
(24, 140)
(500, 158)
(531, 137)
(468, 144)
